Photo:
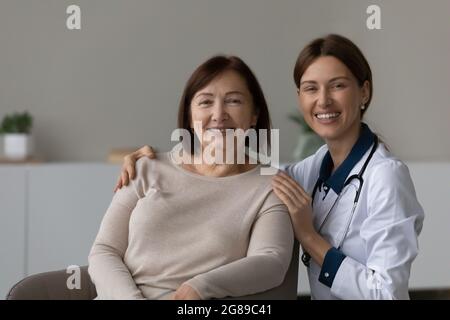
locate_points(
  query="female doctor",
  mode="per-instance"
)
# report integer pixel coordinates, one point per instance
(352, 204)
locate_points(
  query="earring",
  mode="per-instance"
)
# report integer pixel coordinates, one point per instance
(363, 107)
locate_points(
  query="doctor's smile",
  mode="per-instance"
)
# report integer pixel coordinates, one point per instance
(327, 116)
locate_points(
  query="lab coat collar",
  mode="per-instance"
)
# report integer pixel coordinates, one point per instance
(337, 179)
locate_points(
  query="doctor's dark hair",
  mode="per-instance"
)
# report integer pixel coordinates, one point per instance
(207, 72)
(342, 49)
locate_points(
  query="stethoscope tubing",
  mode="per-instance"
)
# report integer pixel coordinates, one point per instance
(305, 256)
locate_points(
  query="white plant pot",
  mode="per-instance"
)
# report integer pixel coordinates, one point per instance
(17, 146)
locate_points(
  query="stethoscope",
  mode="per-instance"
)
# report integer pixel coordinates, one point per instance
(306, 257)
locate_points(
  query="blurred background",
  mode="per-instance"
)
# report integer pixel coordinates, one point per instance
(117, 81)
(114, 85)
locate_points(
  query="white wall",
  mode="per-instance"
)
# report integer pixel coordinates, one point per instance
(117, 81)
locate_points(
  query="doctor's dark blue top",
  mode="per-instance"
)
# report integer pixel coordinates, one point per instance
(336, 181)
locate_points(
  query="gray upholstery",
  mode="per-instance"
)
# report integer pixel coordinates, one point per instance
(52, 286)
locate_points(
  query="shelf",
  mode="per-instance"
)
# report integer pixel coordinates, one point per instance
(29, 160)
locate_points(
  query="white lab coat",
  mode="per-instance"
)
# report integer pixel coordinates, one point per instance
(381, 242)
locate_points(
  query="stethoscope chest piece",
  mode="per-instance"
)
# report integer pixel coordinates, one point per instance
(306, 258)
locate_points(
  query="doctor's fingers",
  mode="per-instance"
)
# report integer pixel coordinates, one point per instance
(145, 151)
(125, 178)
(293, 183)
(122, 180)
(286, 199)
(118, 183)
(128, 170)
(293, 195)
(293, 187)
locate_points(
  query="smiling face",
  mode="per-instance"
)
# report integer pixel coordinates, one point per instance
(330, 99)
(225, 103)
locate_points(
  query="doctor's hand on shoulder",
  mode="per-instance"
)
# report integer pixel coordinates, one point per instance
(127, 171)
(299, 204)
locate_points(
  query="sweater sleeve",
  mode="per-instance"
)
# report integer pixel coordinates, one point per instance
(107, 269)
(266, 263)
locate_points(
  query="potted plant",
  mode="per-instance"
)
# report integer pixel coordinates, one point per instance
(308, 141)
(16, 129)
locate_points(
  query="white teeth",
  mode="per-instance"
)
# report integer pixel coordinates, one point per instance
(328, 115)
(221, 130)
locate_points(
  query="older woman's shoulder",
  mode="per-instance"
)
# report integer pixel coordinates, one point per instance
(146, 166)
(143, 165)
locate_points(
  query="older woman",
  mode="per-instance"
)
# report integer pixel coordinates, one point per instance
(196, 230)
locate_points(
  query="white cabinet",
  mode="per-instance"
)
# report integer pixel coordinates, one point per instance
(66, 204)
(50, 215)
(12, 226)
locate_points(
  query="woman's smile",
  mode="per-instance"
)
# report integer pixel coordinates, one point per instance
(327, 117)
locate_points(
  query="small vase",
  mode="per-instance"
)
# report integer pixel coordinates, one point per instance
(17, 146)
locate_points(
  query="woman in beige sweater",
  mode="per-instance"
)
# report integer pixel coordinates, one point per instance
(193, 229)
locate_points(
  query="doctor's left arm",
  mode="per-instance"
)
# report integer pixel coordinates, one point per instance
(107, 269)
(390, 231)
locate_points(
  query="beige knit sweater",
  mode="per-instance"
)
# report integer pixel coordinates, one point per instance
(224, 236)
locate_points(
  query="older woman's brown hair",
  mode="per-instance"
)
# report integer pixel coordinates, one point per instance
(342, 49)
(206, 73)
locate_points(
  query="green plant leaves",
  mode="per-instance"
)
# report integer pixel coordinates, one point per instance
(17, 123)
(298, 118)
